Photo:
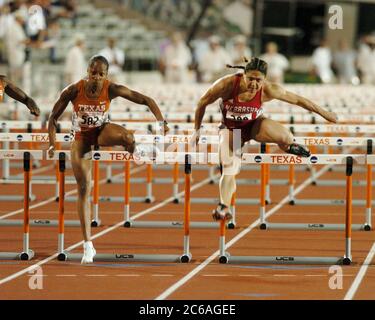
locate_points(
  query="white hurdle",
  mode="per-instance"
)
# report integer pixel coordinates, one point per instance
(346, 259)
(26, 156)
(97, 156)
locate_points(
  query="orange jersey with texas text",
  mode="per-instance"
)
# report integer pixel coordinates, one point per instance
(90, 113)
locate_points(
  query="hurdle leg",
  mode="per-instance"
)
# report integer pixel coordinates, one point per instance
(348, 223)
(186, 257)
(223, 256)
(127, 195)
(268, 174)
(291, 184)
(367, 226)
(262, 205)
(26, 254)
(62, 256)
(96, 220)
(57, 175)
(149, 197)
(175, 183)
(232, 223)
(6, 166)
(108, 171)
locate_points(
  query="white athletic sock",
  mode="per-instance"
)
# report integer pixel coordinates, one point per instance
(227, 187)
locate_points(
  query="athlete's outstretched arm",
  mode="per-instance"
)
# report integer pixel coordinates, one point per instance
(275, 91)
(66, 96)
(220, 89)
(116, 90)
(17, 94)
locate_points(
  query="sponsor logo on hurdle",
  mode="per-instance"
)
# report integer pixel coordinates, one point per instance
(314, 159)
(315, 225)
(286, 159)
(258, 159)
(96, 156)
(66, 138)
(19, 137)
(315, 141)
(39, 138)
(204, 139)
(357, 129)
(157, 139)
(42, 222)
(339, 142)
(123, 156)
(317, 129)
(177, 223)
(177, 139)
(124, 256)
(284, 258)
(8, 155)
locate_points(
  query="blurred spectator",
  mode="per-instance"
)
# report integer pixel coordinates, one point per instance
(176, 60)
(213, 63)
(75, 64)
(277, 63)
(36, 22)
(366, 59)
(15, 45)
(344, 62)
(322, 60)
(52, 38)
(115, 57)
(240, 50)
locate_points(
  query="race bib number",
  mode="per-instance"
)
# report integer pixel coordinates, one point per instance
(238, 116)
(90, 120)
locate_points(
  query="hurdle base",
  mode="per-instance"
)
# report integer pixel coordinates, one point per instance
(176, 200)
(329, 202)
(311, 226)
(217, 200)
(40, 223)
(149, 199)
(96, 223)
(24, 256)
(186, 257)
(286, 260)
(110, 199)
(16, 198)
(62, 256)
(125, 257)
(170, 224)
(16, 255)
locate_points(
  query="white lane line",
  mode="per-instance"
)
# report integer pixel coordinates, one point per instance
(162, 275)
(284, 275)
(205, 263)
(128, 275)
(66, 275)
(53, 199)
(96, 275)
(360, 275)
(120, 224)
(214, 275)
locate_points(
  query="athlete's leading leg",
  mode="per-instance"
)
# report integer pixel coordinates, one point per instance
(269, 131)
(82, 172)
(230, 166)
(115, 135)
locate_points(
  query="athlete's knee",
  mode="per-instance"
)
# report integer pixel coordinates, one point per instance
(129, 142)
(286, 138)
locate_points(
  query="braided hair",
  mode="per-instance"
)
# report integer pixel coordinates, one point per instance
(254, 64)
(100, 59)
